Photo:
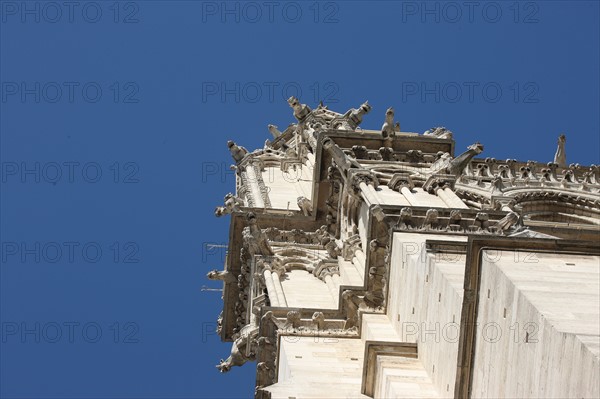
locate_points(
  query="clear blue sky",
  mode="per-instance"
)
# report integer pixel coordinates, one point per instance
(113, 153)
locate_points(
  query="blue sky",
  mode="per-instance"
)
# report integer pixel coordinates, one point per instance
(114, 119)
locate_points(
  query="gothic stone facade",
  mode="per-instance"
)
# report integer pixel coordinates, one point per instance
(377, 263)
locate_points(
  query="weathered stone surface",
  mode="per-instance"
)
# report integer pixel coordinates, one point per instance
(361, 261)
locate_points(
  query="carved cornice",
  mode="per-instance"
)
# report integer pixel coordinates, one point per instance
(333, 148)
(436, 181)
(501, 192)
(326, 268)
(401, 179)
(453, 221)
(512, 172)
(385, 220)
(357, 176)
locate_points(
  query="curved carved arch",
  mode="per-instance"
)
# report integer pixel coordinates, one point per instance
(534, 198)
(295, 257)
(562, 217)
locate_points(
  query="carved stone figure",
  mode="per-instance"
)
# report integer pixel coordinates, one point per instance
(238, 356)
(330, 219)
(341, 160)
(508, 221)
(388, 130)
(439, 132)
(483, 170)
(386, 153)
(352, 305)
(300, 110)
(375, 245)
(292, 319)
(255, 238)
(568, 177)
(318, 319)
(458, 164)
(265, 371)
(497, 183)
(431, 219)
(322, 235)
(360, 152)
(222, 275)
(455, 217)
(482, 220)
(376, 272)
(274, 131)
(354, 116)
(405, 221)
(415, 156)
(220, 323)
(332, 249)
(305, 205)
(237, 152)
(232, 204)
(560, 158)
(264, 342)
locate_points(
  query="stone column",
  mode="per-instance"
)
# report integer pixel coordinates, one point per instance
(253, 188)
(331, 286)
(369, 193)
(278, 289)
(359, 262)
(449, 198)
(408, 195)
(337, 281)
(361, 256)
(457, 201)
(270, 288)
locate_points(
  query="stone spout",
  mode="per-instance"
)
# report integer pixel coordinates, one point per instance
(458, 164)
(338, 155)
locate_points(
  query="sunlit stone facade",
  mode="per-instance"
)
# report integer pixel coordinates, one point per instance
(377, 263)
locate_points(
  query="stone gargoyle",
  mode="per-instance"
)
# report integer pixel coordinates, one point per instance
(222, 275)
(238, 356)
(231, 204)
